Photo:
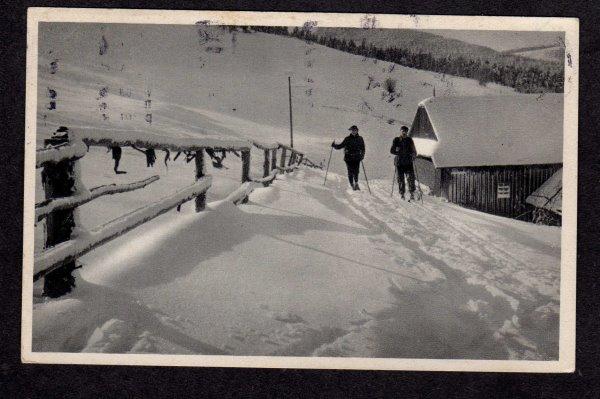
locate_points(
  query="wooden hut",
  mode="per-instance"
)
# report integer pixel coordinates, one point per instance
(490, 152)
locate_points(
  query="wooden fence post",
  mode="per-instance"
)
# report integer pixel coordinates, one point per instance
(283, 152)
(200, 199)
(245, 166)
(273, 158)
(266, 166)
(245, 169)
(58, 180)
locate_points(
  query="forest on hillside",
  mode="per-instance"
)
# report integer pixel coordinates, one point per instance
(434, 53)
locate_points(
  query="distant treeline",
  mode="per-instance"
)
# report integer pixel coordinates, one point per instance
(524, 75)
(532, 48)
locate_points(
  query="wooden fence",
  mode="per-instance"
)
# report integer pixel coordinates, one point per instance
(64, 192)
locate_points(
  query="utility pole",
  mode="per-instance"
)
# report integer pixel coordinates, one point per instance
(291, 123)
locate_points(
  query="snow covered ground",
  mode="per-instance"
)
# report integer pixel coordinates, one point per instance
(308, 270)
(302, 269)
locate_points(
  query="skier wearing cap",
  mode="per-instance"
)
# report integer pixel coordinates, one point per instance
(403, 148)
(354, 152)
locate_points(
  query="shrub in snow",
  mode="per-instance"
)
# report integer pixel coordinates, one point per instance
(372, 83)
(364, 106)
(286, 317)
(390, 85)
(544, 216)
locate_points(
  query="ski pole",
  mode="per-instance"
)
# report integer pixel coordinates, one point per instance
(327, 171)
(366, 179)
(418, 182)
(393, 182)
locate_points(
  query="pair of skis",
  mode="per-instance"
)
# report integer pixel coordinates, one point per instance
(420, 192)
(361, 162)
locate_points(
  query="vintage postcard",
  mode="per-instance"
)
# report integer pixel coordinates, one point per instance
(297, 190)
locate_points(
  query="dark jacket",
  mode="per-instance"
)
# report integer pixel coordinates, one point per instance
(116, 152)
(354, 148)
(404, 150)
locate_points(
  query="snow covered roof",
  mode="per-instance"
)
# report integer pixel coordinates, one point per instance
(549, 194)
(491, 130)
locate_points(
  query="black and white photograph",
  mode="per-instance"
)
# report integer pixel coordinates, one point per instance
(246, 189)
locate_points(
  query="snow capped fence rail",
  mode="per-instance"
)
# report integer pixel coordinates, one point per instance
(72, 249)
(72, 151)
(265, 146)
(44, 208)
(287, 169)
(295, 156)
(241, 194)
(144, 140)
(311, 164)
(65, 191)
(267, 179)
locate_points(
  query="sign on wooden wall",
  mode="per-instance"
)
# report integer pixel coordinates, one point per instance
(503, 190)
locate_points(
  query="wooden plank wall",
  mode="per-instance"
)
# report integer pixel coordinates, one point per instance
(427, 174)
(477, 187)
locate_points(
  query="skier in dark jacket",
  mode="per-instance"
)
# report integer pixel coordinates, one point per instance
(116, 155)
(403, 148)
(354, 152)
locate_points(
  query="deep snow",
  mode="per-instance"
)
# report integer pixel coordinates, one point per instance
(309, 270)
(302, 269)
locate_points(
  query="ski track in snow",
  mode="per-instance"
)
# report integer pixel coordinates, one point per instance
(425, 280)
(468, 258)
(301, 269)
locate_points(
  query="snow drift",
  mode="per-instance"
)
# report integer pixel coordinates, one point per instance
(307, 270)
(302, 269)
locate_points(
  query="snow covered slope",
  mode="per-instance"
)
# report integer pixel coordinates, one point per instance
(302, 269)
(546, 53)
(211, 80)
(308, 270)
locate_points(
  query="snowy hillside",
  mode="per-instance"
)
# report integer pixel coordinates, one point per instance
(426, 42)
(546, 53)
(205, 80)
(325, 272)
(303, 269)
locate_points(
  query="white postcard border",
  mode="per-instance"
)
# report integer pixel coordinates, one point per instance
(570, 26)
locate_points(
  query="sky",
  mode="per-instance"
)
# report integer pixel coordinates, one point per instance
(501, 40)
